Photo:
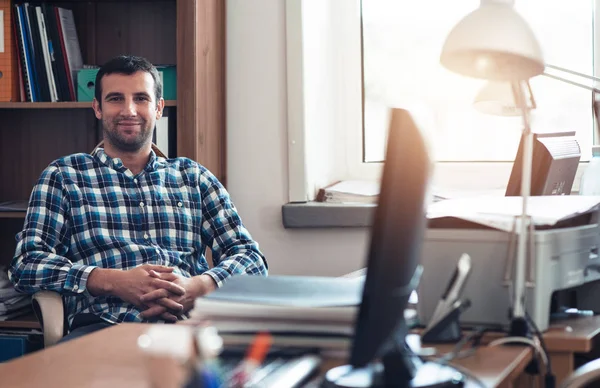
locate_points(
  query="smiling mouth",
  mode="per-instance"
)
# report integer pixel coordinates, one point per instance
(128, 123)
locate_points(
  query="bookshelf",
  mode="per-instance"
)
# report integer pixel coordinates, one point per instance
(187, 33)
(59, 105)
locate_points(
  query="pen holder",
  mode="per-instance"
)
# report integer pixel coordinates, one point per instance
(167, 351)
(447, 330)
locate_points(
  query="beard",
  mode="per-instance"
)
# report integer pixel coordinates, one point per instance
(126, 144)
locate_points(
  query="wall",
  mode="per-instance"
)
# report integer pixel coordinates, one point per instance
(257, 147)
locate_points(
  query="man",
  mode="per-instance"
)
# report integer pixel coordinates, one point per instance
(121, 233)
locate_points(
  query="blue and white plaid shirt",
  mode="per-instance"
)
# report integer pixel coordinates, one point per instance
(89, 211)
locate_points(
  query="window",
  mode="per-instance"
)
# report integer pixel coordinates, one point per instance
(402, 42)
(391, 49)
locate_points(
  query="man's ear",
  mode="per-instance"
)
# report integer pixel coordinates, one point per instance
(160, 105)
(97, 109)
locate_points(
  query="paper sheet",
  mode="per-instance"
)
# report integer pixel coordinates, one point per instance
(367, 188)
(500, 212)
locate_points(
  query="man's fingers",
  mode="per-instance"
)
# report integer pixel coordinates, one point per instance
(153, 311)
(169, 286)
(169, 317)
(154, 295)
(164, 276)
(159, 268)
(171, 305)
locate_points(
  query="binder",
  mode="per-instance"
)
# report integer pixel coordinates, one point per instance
(9, 81)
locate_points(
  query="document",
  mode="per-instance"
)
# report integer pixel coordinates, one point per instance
(306, 305)
(502, 212)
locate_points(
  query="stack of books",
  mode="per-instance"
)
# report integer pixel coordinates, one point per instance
(302, 311)
(48, 52)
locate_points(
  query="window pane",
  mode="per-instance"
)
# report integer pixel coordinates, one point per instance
(402, 44)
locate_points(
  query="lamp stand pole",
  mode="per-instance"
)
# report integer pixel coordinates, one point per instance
(519, 325)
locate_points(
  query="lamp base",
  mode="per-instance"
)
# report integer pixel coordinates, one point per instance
(519, 327)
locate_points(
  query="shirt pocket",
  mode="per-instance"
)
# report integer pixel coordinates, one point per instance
(175, 222)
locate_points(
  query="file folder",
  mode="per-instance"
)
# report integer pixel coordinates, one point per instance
(9, 72)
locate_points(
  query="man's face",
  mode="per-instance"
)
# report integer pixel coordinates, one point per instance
(129, 110)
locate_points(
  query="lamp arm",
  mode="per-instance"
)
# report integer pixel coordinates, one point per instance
(593, 89)
(595, 92)
(572, 72)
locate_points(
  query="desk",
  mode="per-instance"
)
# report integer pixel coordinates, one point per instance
(111, 358)
(565, 338)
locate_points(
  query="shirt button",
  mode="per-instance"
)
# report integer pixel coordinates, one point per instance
(157, 251)
(117, 161)
(146, 236)
(179, 204)
(75, 287)
(141, 204)
(135, 180)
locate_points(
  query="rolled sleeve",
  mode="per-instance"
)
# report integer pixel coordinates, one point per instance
(76, 280)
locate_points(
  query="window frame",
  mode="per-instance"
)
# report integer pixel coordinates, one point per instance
(350, 150)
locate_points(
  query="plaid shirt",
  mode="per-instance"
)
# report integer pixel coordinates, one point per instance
(89, 211)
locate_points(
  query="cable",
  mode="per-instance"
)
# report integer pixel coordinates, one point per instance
(540, 337)
(457, 352)
(523, 340)
(549, 378)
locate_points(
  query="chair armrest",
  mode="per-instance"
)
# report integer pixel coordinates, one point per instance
(583, 376)
(49, 310)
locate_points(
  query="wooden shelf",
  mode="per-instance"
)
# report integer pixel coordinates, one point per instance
(58, 105)
(28, 321)
(12, 214)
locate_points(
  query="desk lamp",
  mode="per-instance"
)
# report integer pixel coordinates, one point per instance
(495, 43)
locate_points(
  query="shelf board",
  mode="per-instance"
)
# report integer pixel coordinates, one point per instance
(28, 321)
(12, 214)
(58, 105)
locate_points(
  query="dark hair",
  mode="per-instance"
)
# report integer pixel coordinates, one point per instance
(127, 64)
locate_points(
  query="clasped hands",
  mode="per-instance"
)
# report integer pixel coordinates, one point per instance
(159, 292)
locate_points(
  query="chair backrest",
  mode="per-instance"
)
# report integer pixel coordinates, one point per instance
(155, 148)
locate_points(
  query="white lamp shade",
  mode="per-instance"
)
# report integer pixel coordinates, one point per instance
(496, 98)
(493, 42)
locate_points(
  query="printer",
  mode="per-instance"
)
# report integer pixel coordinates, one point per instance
(563, 265)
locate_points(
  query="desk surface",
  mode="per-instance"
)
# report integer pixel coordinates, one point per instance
(111, 358)
(573, 335)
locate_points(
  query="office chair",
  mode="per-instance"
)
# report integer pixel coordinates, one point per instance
(48, 305)
(584, 376)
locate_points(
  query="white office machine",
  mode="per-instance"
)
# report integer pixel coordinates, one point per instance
(563, 266)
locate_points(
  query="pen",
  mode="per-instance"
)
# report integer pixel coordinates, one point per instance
(254, 358)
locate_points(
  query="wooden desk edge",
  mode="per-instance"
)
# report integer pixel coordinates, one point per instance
(517, 366)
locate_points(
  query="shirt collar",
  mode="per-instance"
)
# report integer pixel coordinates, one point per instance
(154, 163)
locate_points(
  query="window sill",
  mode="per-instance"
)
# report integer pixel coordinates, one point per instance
(326, 215)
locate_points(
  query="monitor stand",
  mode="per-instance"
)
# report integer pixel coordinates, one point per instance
(398, 369)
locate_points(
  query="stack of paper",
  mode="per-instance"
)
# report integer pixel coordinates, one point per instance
(12, 303)
(503, 213)
(350, 192)
(294, 307)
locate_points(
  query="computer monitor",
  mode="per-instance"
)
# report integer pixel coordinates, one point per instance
(554, 164)
(380, 356)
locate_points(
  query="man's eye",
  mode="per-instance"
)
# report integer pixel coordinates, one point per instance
(141, 98)
(115, 99)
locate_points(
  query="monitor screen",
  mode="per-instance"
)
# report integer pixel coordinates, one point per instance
(396, 238)
(554, 164)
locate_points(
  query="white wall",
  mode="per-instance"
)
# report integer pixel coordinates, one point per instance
(257, 160)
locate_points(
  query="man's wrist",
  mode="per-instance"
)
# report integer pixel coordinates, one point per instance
(101, 281)
(205, 284)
